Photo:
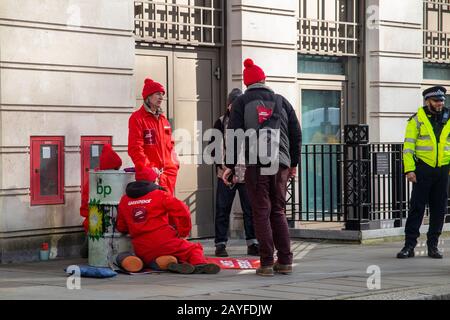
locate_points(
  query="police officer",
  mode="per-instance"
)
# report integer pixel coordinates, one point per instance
(426, 158)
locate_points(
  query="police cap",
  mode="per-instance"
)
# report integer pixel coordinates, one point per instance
(437, 93)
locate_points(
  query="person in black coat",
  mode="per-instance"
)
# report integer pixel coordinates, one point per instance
(257, 109)
(225, 194)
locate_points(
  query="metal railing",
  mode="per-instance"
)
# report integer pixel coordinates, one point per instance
(389, 189)
(317, 194)
(328, 37)
(355, 184)
(188, 22)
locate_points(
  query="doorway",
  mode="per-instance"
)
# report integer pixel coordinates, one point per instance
(192, 98)
(322, 118)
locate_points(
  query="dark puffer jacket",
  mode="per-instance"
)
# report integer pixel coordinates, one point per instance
(257, 104)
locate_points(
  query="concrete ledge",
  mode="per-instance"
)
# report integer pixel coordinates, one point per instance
(26, 248)
(340, 235)
(365, 236)
(428, 292)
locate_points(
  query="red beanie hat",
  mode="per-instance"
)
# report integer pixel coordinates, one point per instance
(146, 174)
(252, 73)
(150, 87)
(109, 159)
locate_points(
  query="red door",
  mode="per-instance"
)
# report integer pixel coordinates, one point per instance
(91, 148)
(47, 170)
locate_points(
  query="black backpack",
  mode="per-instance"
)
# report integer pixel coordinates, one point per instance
(264, 130)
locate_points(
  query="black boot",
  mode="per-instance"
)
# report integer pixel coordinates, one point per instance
(433, 252)
(406, 252)
(221, 251)
(253, 250)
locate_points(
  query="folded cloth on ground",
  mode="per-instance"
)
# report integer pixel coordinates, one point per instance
(91, 272)
(143, 271)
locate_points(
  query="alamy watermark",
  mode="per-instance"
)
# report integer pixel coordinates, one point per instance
(374, 280)
(250, 147)
(373, 17)
(74, 280)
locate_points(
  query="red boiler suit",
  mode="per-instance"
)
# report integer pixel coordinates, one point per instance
(150, 144)
(155, 222)
(84, 208)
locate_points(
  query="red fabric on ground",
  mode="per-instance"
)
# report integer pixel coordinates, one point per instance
(235, 263)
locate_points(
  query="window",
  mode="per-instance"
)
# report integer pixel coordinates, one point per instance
(436, 71)
(47, 170)
(193, 22)
(321, 124)
(329, 27)
(91, 148)
(320, 64)
(321, 116)
(436, 31)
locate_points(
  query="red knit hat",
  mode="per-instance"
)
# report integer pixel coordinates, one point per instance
(146, 174)
(109, 159)
(252, 73)
(150, 87)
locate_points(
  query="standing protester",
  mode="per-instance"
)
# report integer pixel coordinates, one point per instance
(426, 158)
(150, 142)
(226, 194)
(259, 107)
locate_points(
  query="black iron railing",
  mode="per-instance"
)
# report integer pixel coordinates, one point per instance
(355, 184)
(317, 193)
(359, 183)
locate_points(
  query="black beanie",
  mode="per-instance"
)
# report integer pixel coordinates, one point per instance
(236, 92)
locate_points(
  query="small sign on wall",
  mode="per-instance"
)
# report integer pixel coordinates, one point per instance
(95, 150)
(381, 163)
(46, 154)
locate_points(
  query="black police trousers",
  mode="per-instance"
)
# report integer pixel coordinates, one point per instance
(431, 188)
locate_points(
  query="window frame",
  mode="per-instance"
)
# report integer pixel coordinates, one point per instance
(85, 144)
(35, 161)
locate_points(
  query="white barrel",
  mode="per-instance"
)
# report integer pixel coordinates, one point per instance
(108, 186)
(105, 191)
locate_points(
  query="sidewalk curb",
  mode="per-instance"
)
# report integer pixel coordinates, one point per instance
(417, 293)
(366, 237)
(445, 296)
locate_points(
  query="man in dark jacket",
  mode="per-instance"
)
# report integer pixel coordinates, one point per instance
(225, 194)
(260, 108)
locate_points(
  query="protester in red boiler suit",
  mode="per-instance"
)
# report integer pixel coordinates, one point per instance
(157, 223)
(109, 160)
(150, 142)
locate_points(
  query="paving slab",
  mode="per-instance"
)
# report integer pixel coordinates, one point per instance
(322, 270)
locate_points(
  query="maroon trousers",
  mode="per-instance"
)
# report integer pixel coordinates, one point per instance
(268, 198)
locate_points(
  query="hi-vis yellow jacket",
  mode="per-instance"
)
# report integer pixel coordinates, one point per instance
(421, 143)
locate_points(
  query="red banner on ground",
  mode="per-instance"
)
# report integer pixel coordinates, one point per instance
(235, 263)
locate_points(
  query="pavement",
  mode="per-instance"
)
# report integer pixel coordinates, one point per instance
(322, 271)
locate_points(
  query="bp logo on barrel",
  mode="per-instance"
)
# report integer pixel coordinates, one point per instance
(99, 221)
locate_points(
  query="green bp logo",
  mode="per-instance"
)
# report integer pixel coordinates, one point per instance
(103, 190)
(98, 220)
